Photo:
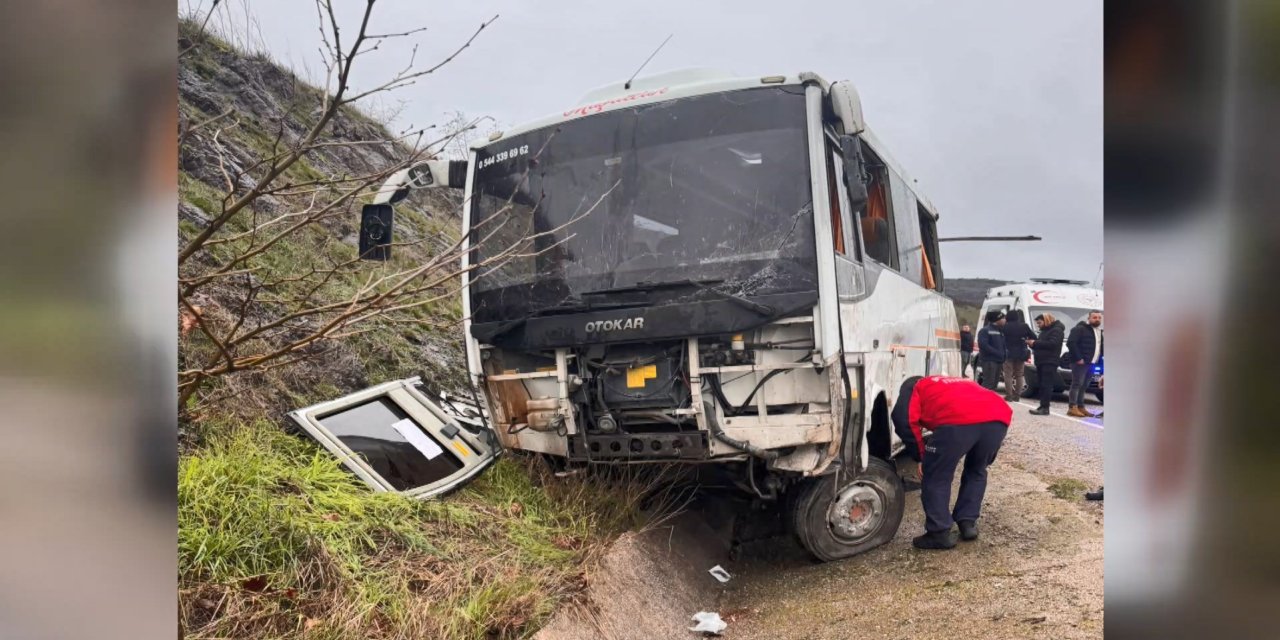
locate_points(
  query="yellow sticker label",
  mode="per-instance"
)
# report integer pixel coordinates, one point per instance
(636, 377)
(461, 449)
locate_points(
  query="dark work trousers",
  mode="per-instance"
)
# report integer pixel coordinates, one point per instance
(990, 373)
(965, 359)
(1079, 383)
(978, 445)
(1047, 375)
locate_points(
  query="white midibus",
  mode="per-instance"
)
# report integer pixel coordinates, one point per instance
(711, 269)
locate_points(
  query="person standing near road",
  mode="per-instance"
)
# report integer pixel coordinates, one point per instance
(1047, 350)
(991, 350)
(966, 349)
(967, 422)
(1016, 334)
(1084, 348)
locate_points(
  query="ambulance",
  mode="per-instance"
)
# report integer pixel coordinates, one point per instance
(1067, 300)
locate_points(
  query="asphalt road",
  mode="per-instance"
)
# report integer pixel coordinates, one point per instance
(1035, 572)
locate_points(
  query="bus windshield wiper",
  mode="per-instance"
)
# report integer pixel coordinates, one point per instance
(700, 284)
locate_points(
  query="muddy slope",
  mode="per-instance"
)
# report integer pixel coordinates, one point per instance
(646, 586)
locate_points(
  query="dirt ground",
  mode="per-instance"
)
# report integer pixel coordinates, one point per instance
(1035, 571)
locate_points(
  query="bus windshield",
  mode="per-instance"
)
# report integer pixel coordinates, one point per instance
(712, 188)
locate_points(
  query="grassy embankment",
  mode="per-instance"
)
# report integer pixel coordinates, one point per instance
(276, 539)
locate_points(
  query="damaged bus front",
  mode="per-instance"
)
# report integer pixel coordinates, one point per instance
(674, 271)
(657, 234)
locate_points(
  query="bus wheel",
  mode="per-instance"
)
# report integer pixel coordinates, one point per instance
(835, 522)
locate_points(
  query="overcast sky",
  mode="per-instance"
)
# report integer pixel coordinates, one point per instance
(994, 106)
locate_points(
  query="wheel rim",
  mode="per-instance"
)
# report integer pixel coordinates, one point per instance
(856, 513)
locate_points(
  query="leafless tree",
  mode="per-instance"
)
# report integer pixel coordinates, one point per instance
(284, 315)
(461, 130)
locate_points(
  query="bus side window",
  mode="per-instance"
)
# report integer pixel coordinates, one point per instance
(931, 263)
(841, 216)
(876, 220)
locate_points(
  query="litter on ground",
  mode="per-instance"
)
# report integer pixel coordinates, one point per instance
(708, 622)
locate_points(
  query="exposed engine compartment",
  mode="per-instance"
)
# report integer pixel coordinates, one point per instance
(662, 400)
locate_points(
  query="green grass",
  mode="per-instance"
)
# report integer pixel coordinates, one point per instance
(1068, 488)
(293, 545)
(198, 193)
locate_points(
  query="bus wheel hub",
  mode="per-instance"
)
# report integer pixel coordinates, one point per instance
(856, 512)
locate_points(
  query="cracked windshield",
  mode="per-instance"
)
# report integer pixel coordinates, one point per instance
(665, 200)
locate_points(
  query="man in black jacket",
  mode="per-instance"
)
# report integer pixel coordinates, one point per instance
(991, 349)
(1084, 349)
(966, 350)
(1047, 350)
(1016, 334)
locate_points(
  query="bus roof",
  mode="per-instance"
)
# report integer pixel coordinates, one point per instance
(684, 83)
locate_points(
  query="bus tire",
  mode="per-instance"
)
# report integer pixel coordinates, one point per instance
(860, 514)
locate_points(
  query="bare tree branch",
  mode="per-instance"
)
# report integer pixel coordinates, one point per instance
(271, 291)
(406, 78)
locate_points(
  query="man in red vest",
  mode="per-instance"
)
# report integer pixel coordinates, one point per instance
(967, 421)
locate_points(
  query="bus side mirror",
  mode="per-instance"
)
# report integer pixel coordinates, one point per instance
(855, 172)
(375, 232)
(847, 107)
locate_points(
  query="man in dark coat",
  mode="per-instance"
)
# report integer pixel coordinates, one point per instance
(1084, 349)
(966, 349)
(967, 422)
(1047, 350)
(1016, 334)
(991, 349)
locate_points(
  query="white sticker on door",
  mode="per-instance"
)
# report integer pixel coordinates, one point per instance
(417, 438)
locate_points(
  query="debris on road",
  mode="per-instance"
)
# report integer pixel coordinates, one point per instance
(720, 574)
(709, 622)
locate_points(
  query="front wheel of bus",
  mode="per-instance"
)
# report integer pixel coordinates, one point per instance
(835, 522)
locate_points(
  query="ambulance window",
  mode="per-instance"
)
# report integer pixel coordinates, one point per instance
(875, 220)
(1002, 308)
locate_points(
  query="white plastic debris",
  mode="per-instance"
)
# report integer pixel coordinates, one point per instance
(708, 622)
(719, 573)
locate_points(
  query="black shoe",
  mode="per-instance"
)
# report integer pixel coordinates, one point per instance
(1040, 411)
(1094, 495)
(968, 529)
(935, 540)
